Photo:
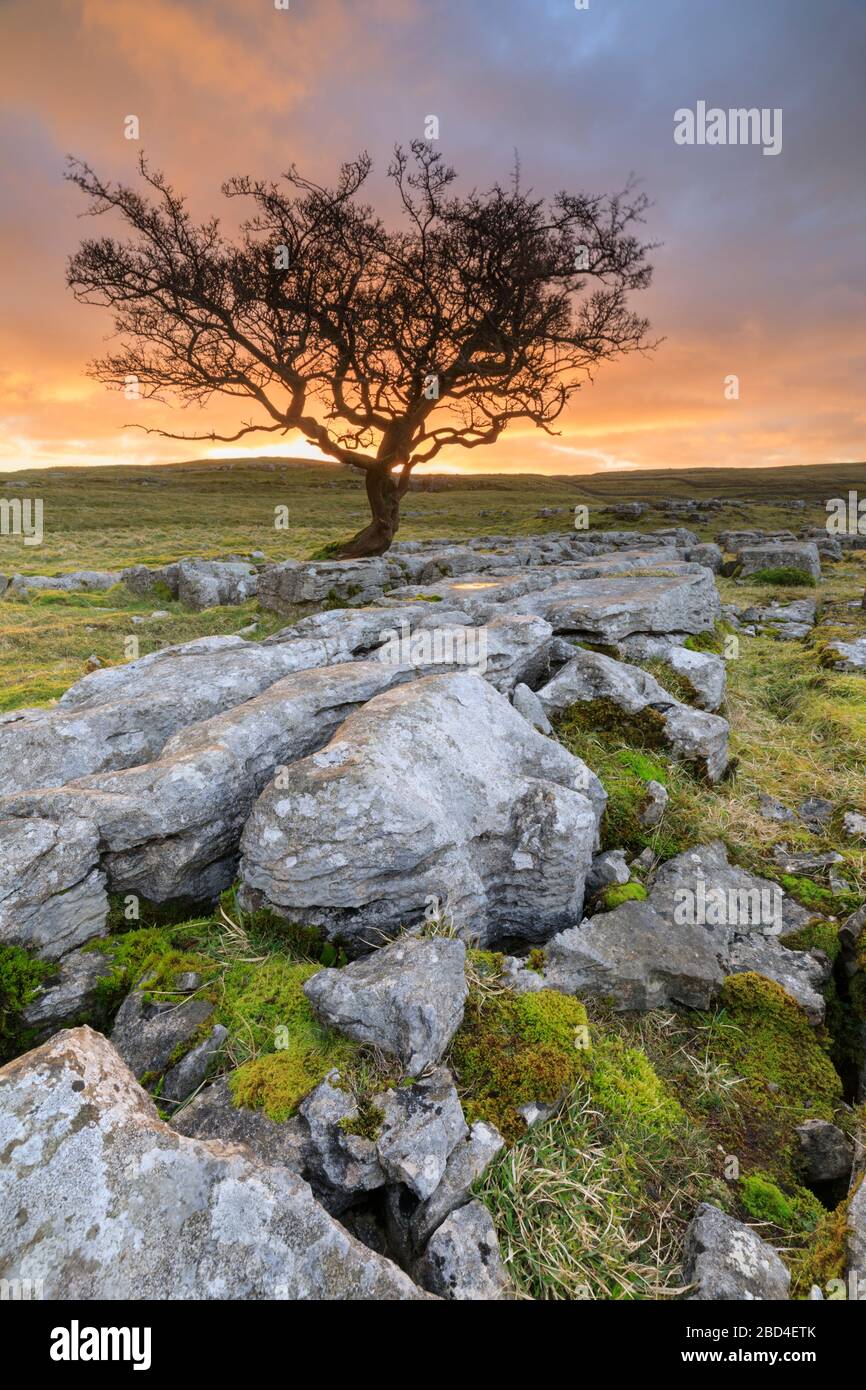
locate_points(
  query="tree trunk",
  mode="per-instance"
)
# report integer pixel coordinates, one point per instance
(383, 495)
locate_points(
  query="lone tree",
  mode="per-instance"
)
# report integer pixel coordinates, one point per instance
(381, 346)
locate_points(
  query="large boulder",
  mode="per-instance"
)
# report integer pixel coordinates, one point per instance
(171, 828)
(406, 998)
(99, 1199)
(122, 716)
(771, 555)
(52, 893)
(215, 583)
(608, 609)
(439, 790)
(282, 587)
(726, 1260)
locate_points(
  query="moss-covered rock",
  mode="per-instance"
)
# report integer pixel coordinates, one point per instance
(513, 1050)
(20, 977)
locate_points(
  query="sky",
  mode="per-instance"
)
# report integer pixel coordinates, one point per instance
(761, 274)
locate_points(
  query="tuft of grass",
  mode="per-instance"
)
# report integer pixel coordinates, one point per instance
(786, 575)
(20, 978)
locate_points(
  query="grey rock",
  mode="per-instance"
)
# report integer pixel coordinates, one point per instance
(171, 828)
(693, 736)
(436, 783)
(406, 998)
(344, 1161)
(848, 656)
(707, 554)
(653, 807)
(854, 825)
(422, 1124)
(770, 808)
(737, 902)
(826, 1153)
(282, 587)
(815, 812)
(527, 703)
(80, 581)
(468, 1161)
(704, 672)
(52, 895)
(728, 1261)
(213, 583)
(802, 974)
(462, 1260)
(792, 863)
(800, 555)
(192, 1069)
(212, 1114)
(142, 581)
(69, 996)
(632, 956)
(99, 1199)
(123, 716)
(856, 1239)
(146, 1034)
(608, 868)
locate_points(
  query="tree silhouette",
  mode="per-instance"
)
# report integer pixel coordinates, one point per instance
(382, 346)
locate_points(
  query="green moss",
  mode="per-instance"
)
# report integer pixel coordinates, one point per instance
(644, 767)
(20, 978)
(512, 1050)
(823, 1257)
(816, 936)
(645, 728)
(674, 682)
(619, 893)
(712, 640)
(785, 1074)
(786, 575)
(793, 1213)
(154, 955)
(535, 960)
(367, 1123)
(819, 899)
(264, 1006)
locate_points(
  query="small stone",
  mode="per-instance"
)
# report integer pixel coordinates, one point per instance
(92, 663)
(825, 1152)
(608, 869)
(771, 809)
(653, 806)
(462, 1260)
(421, 1126)
(854, 825)
(815, 812)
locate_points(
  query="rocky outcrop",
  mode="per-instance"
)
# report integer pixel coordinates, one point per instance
(99, 1199)
(80, 581)
(602, 684)
(435, 790)
(171, 828)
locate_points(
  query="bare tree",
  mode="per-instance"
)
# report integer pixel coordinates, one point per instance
(381, 346)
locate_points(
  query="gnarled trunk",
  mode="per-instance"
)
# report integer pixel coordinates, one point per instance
(383, 494)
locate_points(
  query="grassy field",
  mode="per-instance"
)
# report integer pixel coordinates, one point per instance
(107, 518)
(594, 1203)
